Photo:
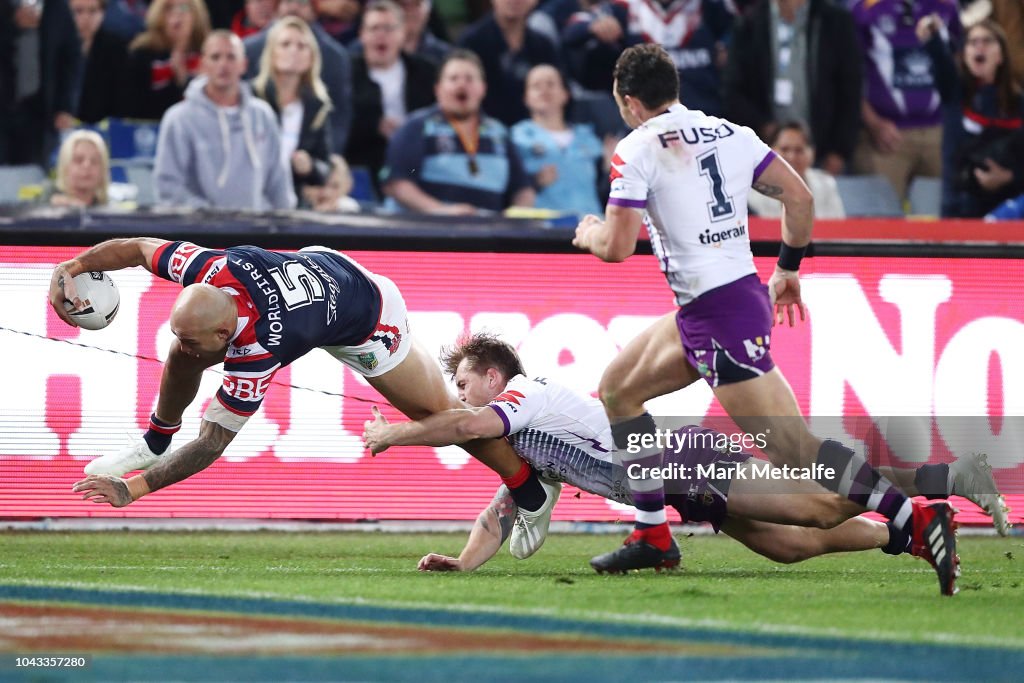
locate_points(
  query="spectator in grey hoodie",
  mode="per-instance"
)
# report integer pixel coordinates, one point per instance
(221, 147)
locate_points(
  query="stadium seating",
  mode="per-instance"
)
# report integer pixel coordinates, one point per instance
(925, 196)
(141, 176)
(15, 181)
(129, 139)
(362, 186)
(869, 195)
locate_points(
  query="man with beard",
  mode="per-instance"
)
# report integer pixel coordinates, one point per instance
(450, 158)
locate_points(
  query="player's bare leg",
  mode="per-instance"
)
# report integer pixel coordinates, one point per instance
(417, 389)
(652, 364)
(788, 544)
(796, 502)
(766, 406)
(790, 442)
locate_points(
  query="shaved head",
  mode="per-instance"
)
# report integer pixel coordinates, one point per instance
(204, 316)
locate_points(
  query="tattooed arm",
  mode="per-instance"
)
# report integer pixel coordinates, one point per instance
(191, 458)
(489, 532)
(781, 182)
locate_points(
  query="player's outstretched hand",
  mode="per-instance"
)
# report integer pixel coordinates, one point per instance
(433, 562)
(784, 290)
(62, 286)
(584, 231)
(375, 432)
(103, 488)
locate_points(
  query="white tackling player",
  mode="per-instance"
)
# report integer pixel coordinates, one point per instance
(567, 438)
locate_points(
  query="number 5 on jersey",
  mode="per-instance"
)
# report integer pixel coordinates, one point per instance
(299, 285)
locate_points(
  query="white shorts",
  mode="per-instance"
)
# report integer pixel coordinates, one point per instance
(390, 342)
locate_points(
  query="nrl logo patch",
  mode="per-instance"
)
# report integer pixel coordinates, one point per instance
(368, 360)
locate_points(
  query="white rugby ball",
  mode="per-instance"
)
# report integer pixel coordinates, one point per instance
(100, 298)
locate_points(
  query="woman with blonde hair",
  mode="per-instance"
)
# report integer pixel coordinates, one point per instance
(164, 58)
(289, 80)
(83, 171)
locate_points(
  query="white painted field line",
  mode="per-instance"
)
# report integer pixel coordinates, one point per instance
(212, 567)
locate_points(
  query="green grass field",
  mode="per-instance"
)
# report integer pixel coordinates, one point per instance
(721, 585)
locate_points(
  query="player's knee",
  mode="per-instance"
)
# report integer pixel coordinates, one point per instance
(179, 361)
(609, 397)
(617, 400)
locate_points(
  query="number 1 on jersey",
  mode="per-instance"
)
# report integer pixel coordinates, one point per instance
(721, 206)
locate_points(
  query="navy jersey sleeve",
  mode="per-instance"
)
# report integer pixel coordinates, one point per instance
(184, 262)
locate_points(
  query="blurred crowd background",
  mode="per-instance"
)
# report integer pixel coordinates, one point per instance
(463, 107)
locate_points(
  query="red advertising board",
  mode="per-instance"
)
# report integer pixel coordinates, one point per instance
(886, 336)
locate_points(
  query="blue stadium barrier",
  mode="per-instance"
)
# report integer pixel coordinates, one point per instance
(130, 139)
(925, 197)
(16, 180)
(869, 195)
(362, 185)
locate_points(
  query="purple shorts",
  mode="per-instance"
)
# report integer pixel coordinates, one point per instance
(726, 332)
(700, 495)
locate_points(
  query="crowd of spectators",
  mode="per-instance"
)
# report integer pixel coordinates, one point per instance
(278, 104)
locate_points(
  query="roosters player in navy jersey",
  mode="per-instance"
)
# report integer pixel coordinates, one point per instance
(257, 311)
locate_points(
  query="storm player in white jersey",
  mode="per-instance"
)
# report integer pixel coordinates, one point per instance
(567, 438)
(685, 176)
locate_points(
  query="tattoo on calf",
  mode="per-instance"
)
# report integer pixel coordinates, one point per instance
(506, 511)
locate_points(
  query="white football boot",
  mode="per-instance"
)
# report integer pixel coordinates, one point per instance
(531, 528)
(972, 479)
(135, 456)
